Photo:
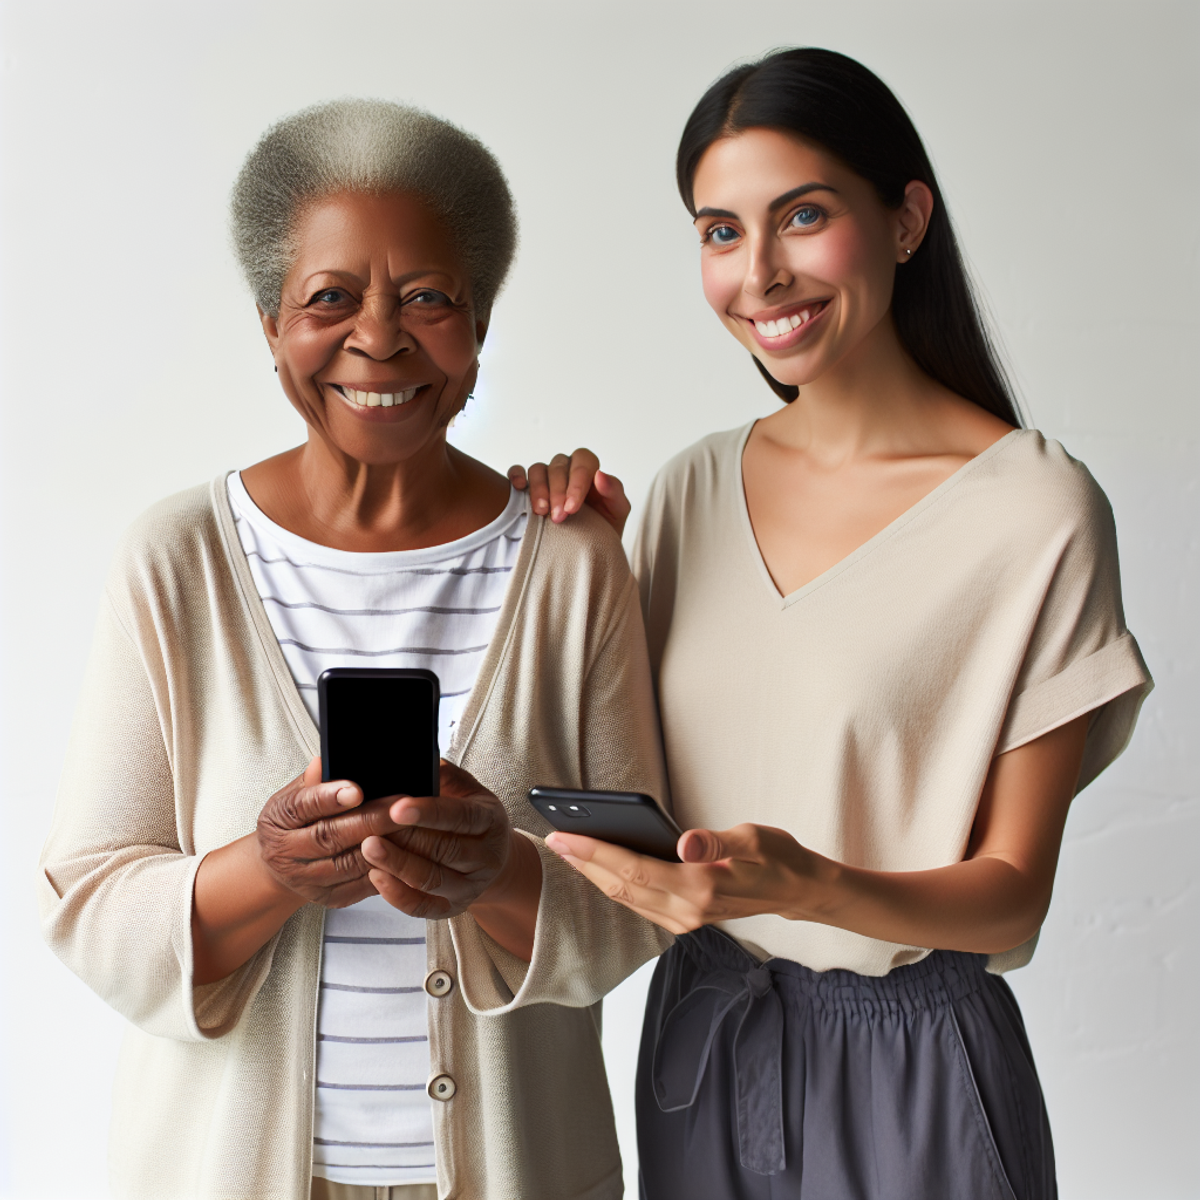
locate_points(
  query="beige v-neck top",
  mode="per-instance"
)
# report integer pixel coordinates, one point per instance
(861, 712)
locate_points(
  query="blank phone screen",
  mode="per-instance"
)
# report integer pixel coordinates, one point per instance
(379, 730)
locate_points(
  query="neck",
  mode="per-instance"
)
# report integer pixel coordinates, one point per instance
(437, 495)
(874, 401)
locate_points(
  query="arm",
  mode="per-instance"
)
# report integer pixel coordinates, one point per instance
(993, 900)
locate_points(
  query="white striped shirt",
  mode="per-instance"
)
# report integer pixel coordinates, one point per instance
(435, 608)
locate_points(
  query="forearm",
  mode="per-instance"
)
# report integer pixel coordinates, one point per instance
(507, 911)
(237, 907)
(984, 905)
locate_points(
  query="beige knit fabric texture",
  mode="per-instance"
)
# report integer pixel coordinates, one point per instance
(188, 722)
(861, 713)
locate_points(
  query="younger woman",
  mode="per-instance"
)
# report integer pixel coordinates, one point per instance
(886, 629)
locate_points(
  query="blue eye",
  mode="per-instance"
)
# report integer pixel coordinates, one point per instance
(723, 235)
(427, 296)
(806, 216)
(330, 296)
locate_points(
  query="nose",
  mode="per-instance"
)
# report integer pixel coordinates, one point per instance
(767, 269)
(378, 332)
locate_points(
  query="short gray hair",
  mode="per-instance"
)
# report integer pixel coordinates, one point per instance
(371, 146)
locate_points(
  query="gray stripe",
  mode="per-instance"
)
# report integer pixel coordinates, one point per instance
(360, 574)
(329, 1037)
(373, 1087)
(378, 1166)
(377, 612)
(350, 987)
(377, 653)
(367, 941)
(370, 1145)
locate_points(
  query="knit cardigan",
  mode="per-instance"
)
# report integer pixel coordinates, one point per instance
(188, 722)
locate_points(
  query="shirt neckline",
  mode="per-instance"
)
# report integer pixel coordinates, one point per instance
(866, 547)
(368, 560)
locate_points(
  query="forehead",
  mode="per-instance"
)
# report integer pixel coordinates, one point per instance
(757, 165)
(349, 231)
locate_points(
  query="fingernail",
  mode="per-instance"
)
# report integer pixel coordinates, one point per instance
(541, 506)
(570, 505)
(347, 797)
(556, 514)
(555, 845)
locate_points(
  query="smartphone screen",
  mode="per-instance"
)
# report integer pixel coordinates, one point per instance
(379, 730)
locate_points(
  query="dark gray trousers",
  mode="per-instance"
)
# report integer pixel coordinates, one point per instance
(774, 1082)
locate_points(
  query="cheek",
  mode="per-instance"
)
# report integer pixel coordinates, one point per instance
(721, 280)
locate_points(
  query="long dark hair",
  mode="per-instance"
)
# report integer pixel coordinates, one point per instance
(838, 104)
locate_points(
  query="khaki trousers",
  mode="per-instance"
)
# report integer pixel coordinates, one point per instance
(322, 1189)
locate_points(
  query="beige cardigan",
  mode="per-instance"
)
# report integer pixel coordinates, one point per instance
(188, 722)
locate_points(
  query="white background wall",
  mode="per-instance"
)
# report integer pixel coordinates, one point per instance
(1067, 139)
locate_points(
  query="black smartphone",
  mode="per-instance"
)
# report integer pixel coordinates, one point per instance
(379, 729)
(629, 819)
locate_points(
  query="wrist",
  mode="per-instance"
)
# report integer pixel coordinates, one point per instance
(506, 887)
(820, 891)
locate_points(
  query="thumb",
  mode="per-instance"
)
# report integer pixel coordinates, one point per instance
(701, 846)
(707, 845)
(312, 773)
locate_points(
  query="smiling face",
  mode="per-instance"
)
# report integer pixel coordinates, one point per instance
(798, 253)
(376, 341)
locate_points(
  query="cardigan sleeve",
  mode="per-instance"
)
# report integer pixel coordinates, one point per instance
(584, 944)
(115, 887)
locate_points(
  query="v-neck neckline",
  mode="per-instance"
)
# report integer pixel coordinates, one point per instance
(861, 551)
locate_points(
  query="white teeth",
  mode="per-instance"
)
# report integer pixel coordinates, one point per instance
(784, 324)
(379, 399)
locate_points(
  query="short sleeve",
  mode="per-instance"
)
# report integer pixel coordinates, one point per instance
(1080, 658)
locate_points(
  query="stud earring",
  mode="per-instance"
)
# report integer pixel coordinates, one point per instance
(908, 252)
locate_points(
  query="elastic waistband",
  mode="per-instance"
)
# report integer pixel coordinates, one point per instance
(940, 978)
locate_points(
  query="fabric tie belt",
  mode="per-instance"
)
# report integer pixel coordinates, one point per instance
(709, 978)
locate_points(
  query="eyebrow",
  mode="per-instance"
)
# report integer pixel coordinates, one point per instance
(778, 202)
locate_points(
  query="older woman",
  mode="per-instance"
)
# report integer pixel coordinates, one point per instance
(298, 1026)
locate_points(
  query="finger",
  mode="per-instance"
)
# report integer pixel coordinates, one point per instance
(517, 477)
(400, 895)
(580, 473)
(612, 491)
(303, 803)
(342, 895)
(454, 781)
(432, 878)
(558, 473)
(539, 488)
(312, 773)
(463, 816)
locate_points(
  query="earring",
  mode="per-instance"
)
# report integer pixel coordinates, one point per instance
(908, 252)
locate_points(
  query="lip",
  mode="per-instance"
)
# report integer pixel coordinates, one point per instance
(379, 415)
(797, 335)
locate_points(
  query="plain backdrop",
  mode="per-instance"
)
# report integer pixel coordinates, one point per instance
(1067, 136)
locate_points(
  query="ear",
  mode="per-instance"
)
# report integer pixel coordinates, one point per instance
(270, 327)
(912, 219)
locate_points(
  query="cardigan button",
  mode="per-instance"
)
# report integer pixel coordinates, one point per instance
(438, 983)
(442, 1087)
